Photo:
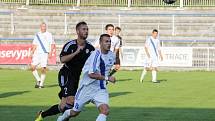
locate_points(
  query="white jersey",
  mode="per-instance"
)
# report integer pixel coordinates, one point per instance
(97, 63)
(115, 43)
(153, 46)
(46, 39)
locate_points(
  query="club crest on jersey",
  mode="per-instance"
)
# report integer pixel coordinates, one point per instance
(87, 50)
(110, 61)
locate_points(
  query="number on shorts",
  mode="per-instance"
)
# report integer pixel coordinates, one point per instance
(65, 90)
(76, 105)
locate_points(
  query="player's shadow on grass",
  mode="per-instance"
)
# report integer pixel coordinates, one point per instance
(159, 80)
(9, 94)
(162, 80)
(53, 85)
(115, 94)
(120, 80)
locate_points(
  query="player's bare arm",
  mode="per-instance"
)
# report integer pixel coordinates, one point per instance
(161, 56)
(147, 52)
(117, 65)
(98, 76)
(52, 48)
(33, 50)
(69, 57)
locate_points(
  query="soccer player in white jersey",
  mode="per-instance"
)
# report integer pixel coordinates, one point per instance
(153, 53)
(92, 87)
(42, 49)
(115, 44)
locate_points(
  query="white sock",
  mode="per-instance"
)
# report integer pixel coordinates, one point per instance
(143, 75)
(66, 114)
(43, 76)
(154, 75)
(101, 117)
(36, 75)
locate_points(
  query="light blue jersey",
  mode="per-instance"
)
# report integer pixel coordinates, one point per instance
(92, 90)
(153, 46)
(97, 63)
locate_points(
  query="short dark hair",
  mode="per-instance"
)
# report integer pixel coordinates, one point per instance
(109, 25)
(154, 30)
(117, 28)
(79, 24)
(103, 35)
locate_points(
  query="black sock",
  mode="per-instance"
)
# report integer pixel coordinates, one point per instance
(51, 111)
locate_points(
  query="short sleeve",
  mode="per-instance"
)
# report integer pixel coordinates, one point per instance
(94, 62)
(118, 43)
(67, 49)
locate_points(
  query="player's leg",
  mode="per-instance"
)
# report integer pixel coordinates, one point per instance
(82, 97)
(154, 70)
(68, 114)
(101, 100)
(44, 61)
(70, 89)
(146, 68)
(103, 112)
(65, 85)
(42, 77)
(57, 108)
(53, 110)
(143, 74)
(35, 62)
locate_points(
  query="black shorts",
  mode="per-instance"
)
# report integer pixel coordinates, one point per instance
(68, 83)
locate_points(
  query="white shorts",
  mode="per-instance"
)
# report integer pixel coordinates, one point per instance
(40, 59)
(87, 94)
(151, 63)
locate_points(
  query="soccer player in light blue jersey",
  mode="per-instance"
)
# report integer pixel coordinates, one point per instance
(92, 87)
(153, 53)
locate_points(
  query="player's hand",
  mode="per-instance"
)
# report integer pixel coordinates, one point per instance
(112, 79)
(31, 55)
(117, 66)
(79, 49)
(50, 55)
(161, 57)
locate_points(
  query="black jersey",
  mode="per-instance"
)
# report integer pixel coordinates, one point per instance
(76, 64)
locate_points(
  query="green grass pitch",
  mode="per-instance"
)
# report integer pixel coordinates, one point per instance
(181, 96)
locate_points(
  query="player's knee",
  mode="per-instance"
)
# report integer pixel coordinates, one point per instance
(33, 68)
(68, 103)
(70, 100)
(43, 70)
(148, 69)
(154, 69)
(62, 104)
(104, 109)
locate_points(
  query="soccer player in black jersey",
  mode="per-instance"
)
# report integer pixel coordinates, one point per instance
(73, 55)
